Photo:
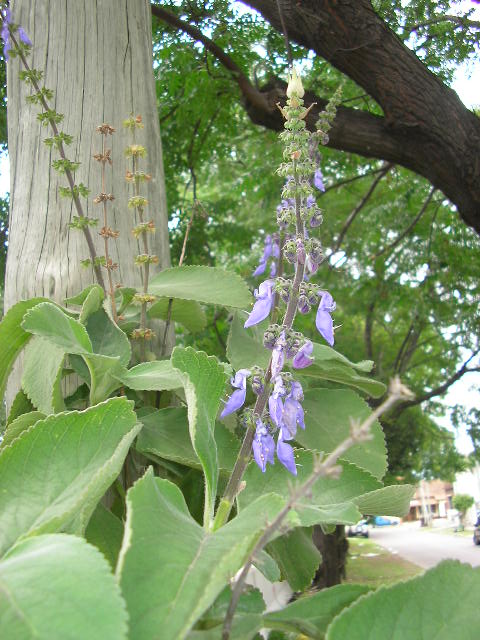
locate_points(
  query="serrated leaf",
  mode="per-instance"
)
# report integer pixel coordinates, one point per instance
(388, 501)
(107, 339)
(166, 434)
(20, 405)
(159, 375)
(13, 337)
(440, 604)
(297, 557)
(103, 372)
(92, 303)
(170, 569)
(21, 424)
(204, 382)
(75, 457)
(311, 615)
(105, 531)
(80, 298)
(244, 346)
(186, 312)
(50, 322)
(335, 371)
(203, 284)
(328, 414)
(42, 371)
(331, 499)
(58, 587)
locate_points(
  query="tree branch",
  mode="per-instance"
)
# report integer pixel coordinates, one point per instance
(386, 168)
(460, 20)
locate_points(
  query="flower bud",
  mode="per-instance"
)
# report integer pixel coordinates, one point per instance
(295, 85)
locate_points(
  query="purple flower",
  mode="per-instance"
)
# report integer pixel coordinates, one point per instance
(263, 446)
(267, 252)
(293, 411)
(285, 454)
(7, 18)
(318, 180)
(324, 320)
(303, 359)
(263, 305)
(278, 355)
(310, 201)
(237, 398)
(275, 404)
(23, 36)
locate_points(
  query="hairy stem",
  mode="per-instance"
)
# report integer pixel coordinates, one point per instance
(106, 238)
(71, 182)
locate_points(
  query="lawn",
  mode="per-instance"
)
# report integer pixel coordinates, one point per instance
(368, 563)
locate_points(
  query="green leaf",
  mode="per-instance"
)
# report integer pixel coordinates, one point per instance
(297, 557)
(246, 623)
(186, 312)
(92, 303)
(50, 322)
(331, 499)
(42, 375)
(267, 566)
(159, 375)
(440, 604)
(244, 346)
(203, 284)
(103, 375)
(125, 295)
(13, 337)
(166, 434)
(388, 501)
(80, 298)
(204, 382)
(20, 405)
(21, 424)
(327, 417)
(107, 339)
(170, 569)
(323, 352)
(55, 587)
(311, 615)
(334, 371)
(105, 531)
(72, 460)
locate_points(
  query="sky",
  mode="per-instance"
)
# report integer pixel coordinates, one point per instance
(466, 391)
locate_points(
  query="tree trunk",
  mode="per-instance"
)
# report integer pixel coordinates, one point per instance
(334, 548)
(97, 57)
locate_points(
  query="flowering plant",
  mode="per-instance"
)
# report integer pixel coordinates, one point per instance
(128, 502)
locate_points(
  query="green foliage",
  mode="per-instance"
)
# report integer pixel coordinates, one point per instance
(462, 502)
(451, 591)
(57, 587)
(297, 557)
(186, 312)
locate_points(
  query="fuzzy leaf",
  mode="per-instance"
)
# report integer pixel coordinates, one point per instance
(297, 557)
(203, 284)
(186, 312)
(158, 375)
(388, 501)
(105, 531)
(58, 587)
(204, 382)
(42, 371)
(327, 417)
(170, 569)
(50, 322)
(20, 405)
(244, 346)
(166, 434)
(442, 604)
(21, 424)
(107, 339)
(92, 303)
(13, 337)
(72, 460)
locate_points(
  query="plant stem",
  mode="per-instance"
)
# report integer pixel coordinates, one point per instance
(244, 454)
(105, 240)
(328, 467)
(170, 302)
(71, 182)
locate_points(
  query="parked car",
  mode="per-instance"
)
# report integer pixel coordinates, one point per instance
(476, 536)
(359, 529)
(382, 521)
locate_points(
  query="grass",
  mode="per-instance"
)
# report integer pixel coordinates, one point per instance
(370, 564)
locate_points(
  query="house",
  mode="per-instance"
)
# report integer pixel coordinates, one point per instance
(433, 498)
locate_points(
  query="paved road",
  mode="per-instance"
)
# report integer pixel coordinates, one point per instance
(425, 548)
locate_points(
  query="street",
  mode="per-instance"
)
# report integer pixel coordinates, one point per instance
(426, 548)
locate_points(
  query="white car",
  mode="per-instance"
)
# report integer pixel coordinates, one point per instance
(359, 529)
